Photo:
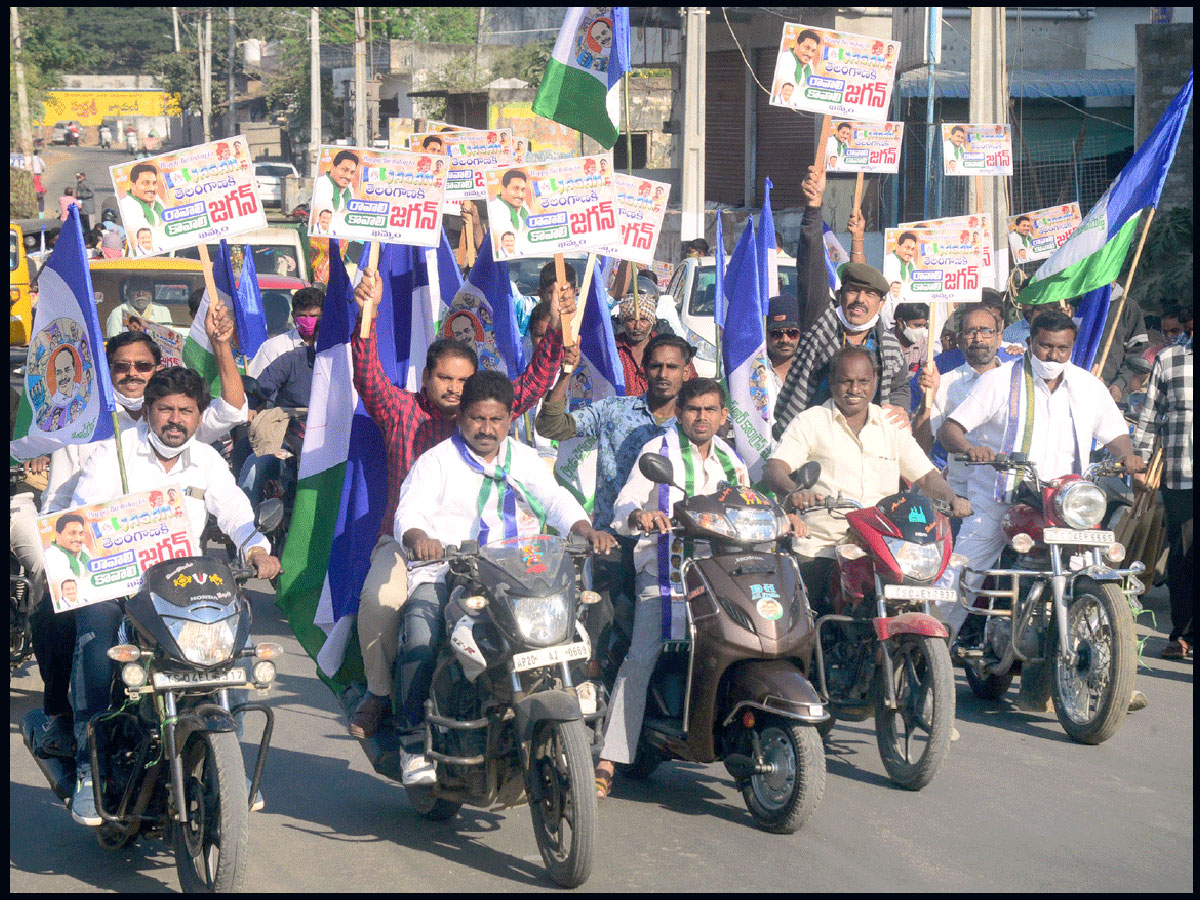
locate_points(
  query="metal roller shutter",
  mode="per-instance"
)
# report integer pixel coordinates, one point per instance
(784, 140)
(725, 128)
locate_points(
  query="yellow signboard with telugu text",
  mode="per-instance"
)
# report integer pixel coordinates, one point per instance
(92, 107)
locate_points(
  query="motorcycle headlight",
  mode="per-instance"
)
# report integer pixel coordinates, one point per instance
(1081, 504)
(755, 525)
(204, 643)
(716, 522)
(920, 562)
(541, 620)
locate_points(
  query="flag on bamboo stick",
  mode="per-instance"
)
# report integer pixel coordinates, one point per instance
(197, 349)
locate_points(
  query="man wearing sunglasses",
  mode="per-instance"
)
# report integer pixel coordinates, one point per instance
(783, 336)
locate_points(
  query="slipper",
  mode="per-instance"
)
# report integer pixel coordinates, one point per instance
(603, 785)
(1177, 649)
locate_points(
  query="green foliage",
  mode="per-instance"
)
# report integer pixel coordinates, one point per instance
(527, 63)
(1164, 274)
(22, 201)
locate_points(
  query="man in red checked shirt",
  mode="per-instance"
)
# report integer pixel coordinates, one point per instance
(411, 424)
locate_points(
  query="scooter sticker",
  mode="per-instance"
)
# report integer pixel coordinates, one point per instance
(916, 514)
(767, 601)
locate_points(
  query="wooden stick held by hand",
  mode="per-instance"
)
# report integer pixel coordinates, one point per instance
(368, 313)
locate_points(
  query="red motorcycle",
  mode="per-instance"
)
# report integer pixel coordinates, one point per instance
(879, 651)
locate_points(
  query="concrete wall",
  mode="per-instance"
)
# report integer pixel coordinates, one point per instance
(1164, 55)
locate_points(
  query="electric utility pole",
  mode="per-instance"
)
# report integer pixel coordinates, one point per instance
(360, 79)
(231, 121)
(22, 97)
(314, 89)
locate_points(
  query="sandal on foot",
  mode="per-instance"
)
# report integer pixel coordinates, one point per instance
(604, 782)
(1177, 649)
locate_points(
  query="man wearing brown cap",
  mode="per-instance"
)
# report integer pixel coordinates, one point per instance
(637, 318)
(853, 320)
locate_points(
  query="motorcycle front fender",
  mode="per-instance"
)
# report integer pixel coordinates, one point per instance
(773, 685)
(887, 627)
(202, 717)
(546, 706)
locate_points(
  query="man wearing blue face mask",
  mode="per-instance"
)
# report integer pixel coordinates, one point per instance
(1042, 405)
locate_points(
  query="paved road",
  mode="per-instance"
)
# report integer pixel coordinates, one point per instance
(1018, 807)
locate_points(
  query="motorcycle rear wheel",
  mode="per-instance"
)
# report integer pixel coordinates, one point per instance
(435, 809)
(924, 687)
(1091, 696)
(562, 800)
(644, 765)
(211, 849)
(784, 799)
(989, 686)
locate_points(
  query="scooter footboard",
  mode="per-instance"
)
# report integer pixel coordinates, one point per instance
(908, 623)
(775, 686)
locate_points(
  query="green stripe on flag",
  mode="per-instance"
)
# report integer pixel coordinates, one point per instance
(1091, 272)
(202, 360)
(305, 562)
(576, 99)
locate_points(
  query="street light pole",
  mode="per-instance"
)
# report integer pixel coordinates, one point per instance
(360, 79)
(22, 97)
(231, 128)
(314, 88)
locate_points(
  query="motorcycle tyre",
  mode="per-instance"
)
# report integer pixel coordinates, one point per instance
(808, 761)
(644, 765)
(435, 809)
(570, 868)
(113, 837)
(223, 765)
(914, 776)
(990, 686)
(1113, 707)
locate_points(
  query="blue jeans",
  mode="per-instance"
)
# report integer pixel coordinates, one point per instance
(424, 632)
(255, 472)
(91, 675)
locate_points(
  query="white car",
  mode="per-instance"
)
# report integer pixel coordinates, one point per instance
(692, 289)
(270, 175)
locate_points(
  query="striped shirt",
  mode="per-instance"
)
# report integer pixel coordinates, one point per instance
(1167, 413)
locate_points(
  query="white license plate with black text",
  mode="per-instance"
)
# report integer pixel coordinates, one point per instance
(1073, 536)
(183, 680)
(911, 592)
(549, 656)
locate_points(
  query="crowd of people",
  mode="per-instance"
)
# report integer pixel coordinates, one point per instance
(855, 393)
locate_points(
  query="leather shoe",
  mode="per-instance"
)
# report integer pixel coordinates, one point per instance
(366, 718)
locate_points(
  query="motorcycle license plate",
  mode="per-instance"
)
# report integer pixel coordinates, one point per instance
(910, 592)
(182, 680)
(549, 656)
(1073, 536)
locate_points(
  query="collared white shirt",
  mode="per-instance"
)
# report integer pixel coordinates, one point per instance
(440, 496)
(1080, 410)
(66, 463)
(865, 467)
(272, 349)
(199, 467)
(952, 390)
(641, 494)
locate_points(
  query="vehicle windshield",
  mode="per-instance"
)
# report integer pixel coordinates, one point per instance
(704, 288)
(14, 251)
(277, 304)
(527, 272)
(278, 259)
(525, 556)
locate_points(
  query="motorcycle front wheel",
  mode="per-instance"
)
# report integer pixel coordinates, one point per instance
(210, 850)
(915, 737)
(1091, 694)
(562, 800)
(782, 800)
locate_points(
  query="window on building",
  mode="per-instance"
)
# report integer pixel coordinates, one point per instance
(641, 147)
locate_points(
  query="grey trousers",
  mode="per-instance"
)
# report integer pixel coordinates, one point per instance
(627, 705)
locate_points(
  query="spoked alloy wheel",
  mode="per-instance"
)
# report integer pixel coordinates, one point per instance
(562, 800)
(1091, 694)
(210, 850)
(782, 800)
(914, 737)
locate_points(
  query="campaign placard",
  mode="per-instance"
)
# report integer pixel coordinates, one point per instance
(365, 194)
(167, 338)
(977, 149)
(470, 153)
(641, 204)
(933, 265)
(864, 147)
(834, 73)
(553, 207)
(976, 229)
(99, 552)
(1038, 234)
(189, 197)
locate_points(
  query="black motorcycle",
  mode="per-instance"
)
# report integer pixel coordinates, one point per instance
(165, 756)
(506, 721)
(21, 602)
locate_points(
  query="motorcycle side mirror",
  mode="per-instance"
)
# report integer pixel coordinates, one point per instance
(806, 476)
(270, 515)
(656, 468)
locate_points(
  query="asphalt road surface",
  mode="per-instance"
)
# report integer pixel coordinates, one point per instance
(1017, 807)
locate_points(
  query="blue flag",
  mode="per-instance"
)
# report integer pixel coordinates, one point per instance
(768, 267)
(248, 308)
(484, 313)
(1092, 313)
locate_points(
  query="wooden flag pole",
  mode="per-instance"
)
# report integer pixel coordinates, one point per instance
(1099, 365)
(826, 131)
(570, 327)
(120, 452)
(369, 308)
(979, 194)
(470, 230)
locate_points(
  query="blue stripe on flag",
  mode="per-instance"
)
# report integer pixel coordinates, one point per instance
(491, 278)
(1093, 313)
(619, 59)
(596, 339)
(766, 247)
(744, 322)
(248, 308)
(719, 304)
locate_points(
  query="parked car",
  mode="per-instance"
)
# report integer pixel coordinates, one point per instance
(270, 175)
(278, 250)
(692, 289)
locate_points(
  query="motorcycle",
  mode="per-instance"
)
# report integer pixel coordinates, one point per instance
(737, 689)
(506, 719)
(879, 651)
(165, 757)
(1074, 641)
(21, 601)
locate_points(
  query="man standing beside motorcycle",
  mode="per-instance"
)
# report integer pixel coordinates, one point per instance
(863, 455)
(164, 453)
(1042, 405)
(477, 485)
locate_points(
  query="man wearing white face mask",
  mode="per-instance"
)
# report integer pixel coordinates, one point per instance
(1042, 405)
(911, 328)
